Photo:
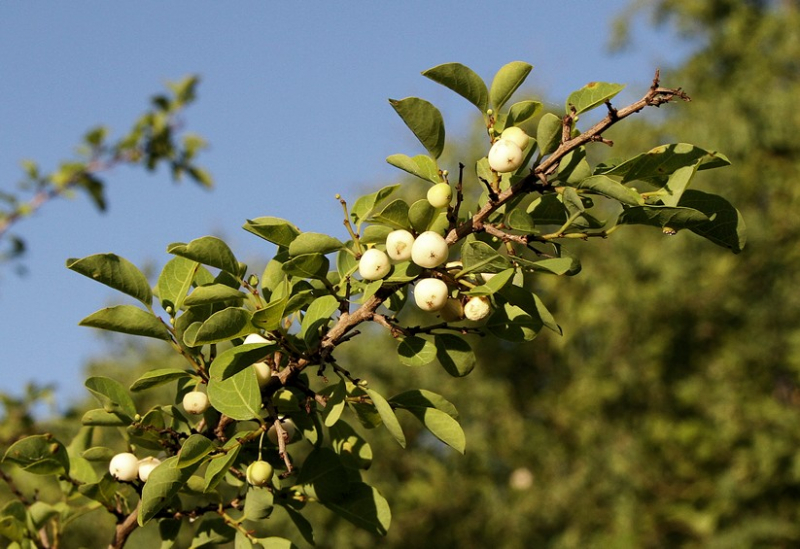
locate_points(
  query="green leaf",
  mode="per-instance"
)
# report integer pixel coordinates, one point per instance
(454, 354)
(478, 256)
(219, 465)
(664, 160)
(303, 526)
(442, 426)
(531, 304)
(314, 243)
(164, 483)
(548, 210)
(421, 398)
(175, 280)
(495, 284)
(234, 360)
(273, 229)
(116, 272)
(335, 404)
(353, 450)
(213, 293)
(421, 214)
(258, 506)
(405, 271)
(512, 323)
(416, 351)
(363, 207)
(274, 542)
(269, 318)
(726, 227)
(462, 80)
(372, 234)
(238, 396)
(424, 120)
(317, 315)
(521, 112)
(307, 266)
(323, 476)
(592, 95)
(102, 418)
(554, 265)
(365, 507)
(604, 185)
(548, 133)
(223, 325)
(193, 450)
(672, 218)
(422, 166)
(208, 250)
(39, 454)
(395, 214)
(506, 81)
(387, 416)
(112, 395)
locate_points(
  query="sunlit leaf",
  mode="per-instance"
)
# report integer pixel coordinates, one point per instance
(592, 95)
(128, 319)
(506, 81)
(424, 120)
(462, 80)
(116, 272)
(273, 229)
(422, 166)
(454, 354)
(208, 250)
(388, 416)
(163, 484)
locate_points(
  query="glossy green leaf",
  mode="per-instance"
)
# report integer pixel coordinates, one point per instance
(506, 81)
(116, 272)
(258, 506)
(234, 360)
(323, 476)
(208, 250)
(424, 120)
(174, 281)
(416, 351)
(548, 133)
(112, 395)
(39, 454)
(193, 450)
(273, 229)
(238, 396)
(606, 186)
(462, 80)
(454, 354)
(163, 484)
(592, 95)
(422, 166)
(395, 214)
(365, 507)
(364, 206)
(223, 325)
(307, 266)
(387, 416)
(726, 227)
(127, 319)
(314, 243)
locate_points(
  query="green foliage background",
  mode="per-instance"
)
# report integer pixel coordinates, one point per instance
(668, 413)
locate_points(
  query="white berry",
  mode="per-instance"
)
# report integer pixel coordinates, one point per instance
(259, 473)
(505, 156)
(255, 338)
(440, 195)
(516, 136)
(430, 294)
(374, 264)
(429, 250)
(477, 308)
(146, 467)
(398, 245)
(195, 402)
(124, 467)
(263, 373)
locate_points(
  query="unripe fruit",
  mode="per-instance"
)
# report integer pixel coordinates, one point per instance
(288, 426)
(255, 338)
(505, 156)
(477, 308)
(146, 466)
(430, 294)
(263, 373)
(374, 264)
(517, 136)
(429, 250)
(195, 402)
(453, 310)
(124, 467)
(259, 473)
(440, 195)
(398, 245)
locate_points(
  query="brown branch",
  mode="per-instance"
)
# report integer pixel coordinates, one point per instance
(125, 528)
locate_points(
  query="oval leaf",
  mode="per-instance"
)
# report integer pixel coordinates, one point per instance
(422, 166)
(387, 416)
(234, 360)
(506, 81)
(454, 354)
(164, 482)
(161, 376)
(128, 319)
(116, 272)
(238, 396)
(462, 80)
(223, 325)
(111, 395)
(208, 250)
(314, 243)
(592, 95)
(424, 120)
(275, 230)
(39, 454)
(175, 280)
(416, 351)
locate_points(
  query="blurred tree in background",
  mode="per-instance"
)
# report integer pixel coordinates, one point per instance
(668, 414)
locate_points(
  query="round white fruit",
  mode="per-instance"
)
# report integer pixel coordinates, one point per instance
(288, 426)
(429, 250)
(440, 195)
(195, 402)
(505, 156)
(124, 467)
(255, 338)
(398, 245)
(477, 308)
(146, 467)
(263, 373)
(259, 473)
(516, 136)
(430, 294)
(374, 264)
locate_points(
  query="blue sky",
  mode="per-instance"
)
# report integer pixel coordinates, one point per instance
(293, 100)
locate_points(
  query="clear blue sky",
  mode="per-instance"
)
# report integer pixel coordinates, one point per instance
(293, 100)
